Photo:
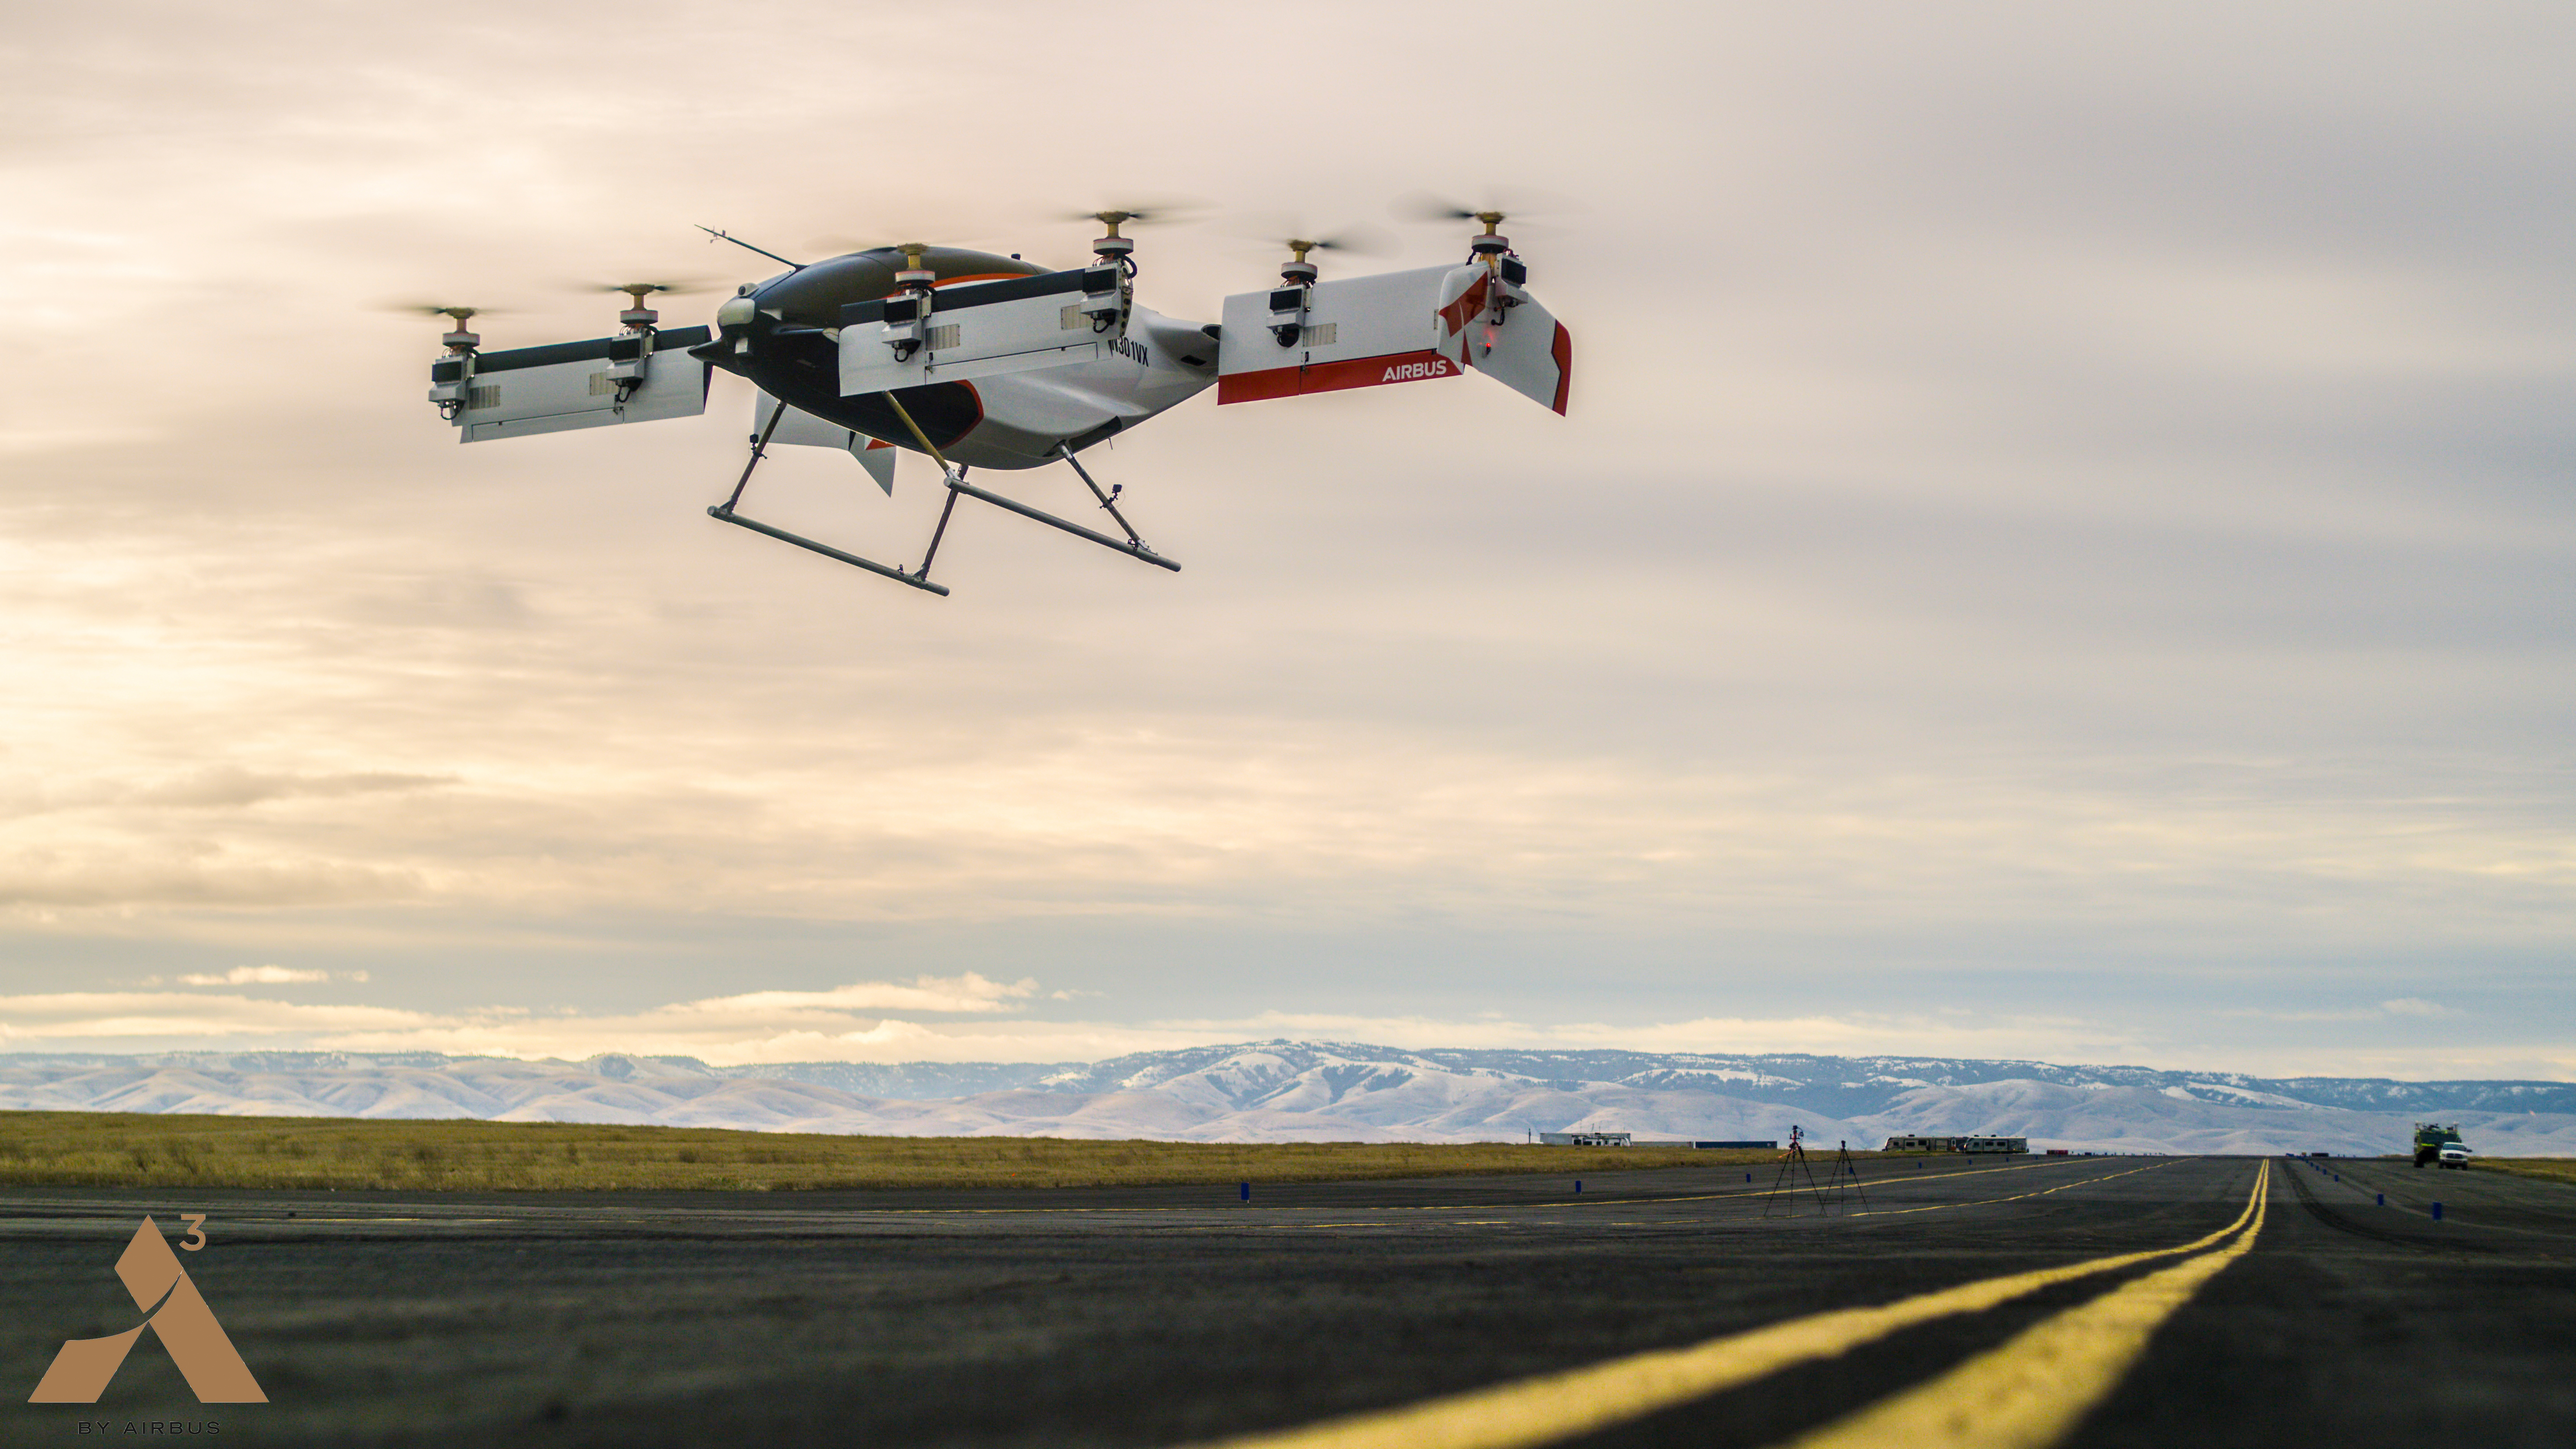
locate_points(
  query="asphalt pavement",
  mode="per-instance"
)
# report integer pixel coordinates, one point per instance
(2259, 1301)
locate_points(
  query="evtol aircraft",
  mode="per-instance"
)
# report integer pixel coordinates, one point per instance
(984, 361)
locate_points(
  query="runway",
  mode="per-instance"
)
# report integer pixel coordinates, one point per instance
(2089, 1301)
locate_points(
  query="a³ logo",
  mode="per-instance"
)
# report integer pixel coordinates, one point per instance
(172, 1308)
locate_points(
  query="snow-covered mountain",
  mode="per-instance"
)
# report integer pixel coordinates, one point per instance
(1280, 1091)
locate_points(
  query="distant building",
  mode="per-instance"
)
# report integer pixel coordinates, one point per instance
(1624, 1139)
(1957, 1144)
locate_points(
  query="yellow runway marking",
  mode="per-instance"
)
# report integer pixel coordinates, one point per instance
(2032, 1392)
(1989, 1202)
(1758, 1190)
(1557, 1406)
(1661, 1223)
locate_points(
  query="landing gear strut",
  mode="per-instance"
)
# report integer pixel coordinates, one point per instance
(954, 475)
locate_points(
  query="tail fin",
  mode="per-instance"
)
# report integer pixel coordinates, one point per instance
(1500, 330)
(804, 430)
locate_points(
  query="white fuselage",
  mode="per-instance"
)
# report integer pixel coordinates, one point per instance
(1028, 414)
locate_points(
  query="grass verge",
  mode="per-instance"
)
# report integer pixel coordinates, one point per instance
(2556, 1169)
(133, 1149)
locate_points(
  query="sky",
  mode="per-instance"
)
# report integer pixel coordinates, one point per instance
(2060, 549)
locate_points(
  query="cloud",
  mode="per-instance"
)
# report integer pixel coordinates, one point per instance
(231, 786)
(74, 874)
(843, 1024)
(2401, 1007)
(2416, 1006)
(836, 1024)
(1854, 1034)
(259, 976)
(109, 1016)
(968, 992)
(839, 1025)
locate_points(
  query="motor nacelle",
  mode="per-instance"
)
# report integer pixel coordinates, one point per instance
(904, 321)
(1288, 314)
(449, 380)
(629, 355)
(1104, 294)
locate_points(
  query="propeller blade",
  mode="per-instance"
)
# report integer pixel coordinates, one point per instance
(1135, 212)
(675, 288)
(1498, 205)
(1425, 207)
(433, 309)
(1288, 234)
(1359, 240)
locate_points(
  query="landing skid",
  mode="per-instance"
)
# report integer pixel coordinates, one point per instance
(826, 550)
(1130, 547)
(955, 477)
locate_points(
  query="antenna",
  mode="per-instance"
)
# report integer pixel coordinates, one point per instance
(746, 246)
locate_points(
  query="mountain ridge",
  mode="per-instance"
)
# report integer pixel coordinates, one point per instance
(1300, 1090)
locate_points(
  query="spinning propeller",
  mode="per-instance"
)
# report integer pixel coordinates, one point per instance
(458, 338)
(1111, 246)
(637, 316)
(1299, 238)
(1298, 269)
(1489, 246)
(1117, 216)
(1522, 202)
(640, 290)
(1443, 212)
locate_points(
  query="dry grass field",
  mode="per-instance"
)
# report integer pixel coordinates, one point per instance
(2557, 1169)
(118, 1149)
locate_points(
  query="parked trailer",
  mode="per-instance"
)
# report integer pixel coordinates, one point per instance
(1957, 1144)
(1624, 1139)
